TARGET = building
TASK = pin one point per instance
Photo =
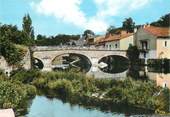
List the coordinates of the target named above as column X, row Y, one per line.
column 4, row 66
column 153, row 42
column 119, row 41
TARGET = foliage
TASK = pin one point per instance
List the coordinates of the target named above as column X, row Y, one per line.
column 128, row 24
column 113, row 30
column 10, row 37
column 164, row 21
column 88, row 33
column 14, row 94
column 62, row 87
column 55, row 40
column 24, row 76
column 137, row 93
column 11, row 53
column 11, row 33
column 28, row 31
column 133, row 54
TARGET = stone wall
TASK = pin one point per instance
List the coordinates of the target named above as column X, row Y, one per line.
column 26, row 63
column 4, row 66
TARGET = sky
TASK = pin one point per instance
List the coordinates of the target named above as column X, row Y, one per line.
column 52, row 17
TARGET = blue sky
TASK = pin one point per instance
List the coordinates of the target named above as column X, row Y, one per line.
column 52, row 17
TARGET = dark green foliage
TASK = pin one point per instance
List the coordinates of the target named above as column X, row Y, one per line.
column 55, row 40
column 14, row 94
column 11, row 33
column 164, row 21
column 113, row 30
column 62, row 87
column 128, row 25
column 159, row 65
column 28, row 31
column 24, row 76
column 88, row 33
column 11, row 53
column 133, row 54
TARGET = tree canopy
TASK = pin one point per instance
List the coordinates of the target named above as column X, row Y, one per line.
column 128, row 24
column 88, row 33
column 63, row 39
column 28, row 31
column 164, row 21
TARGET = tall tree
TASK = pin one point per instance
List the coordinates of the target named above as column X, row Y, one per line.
column 128, row 25
column 28, row 31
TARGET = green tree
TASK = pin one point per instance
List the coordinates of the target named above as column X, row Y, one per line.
column 28, row 31
column 133, row 54
column 164, row 21
column 11, row 33
column 128, row 25
column 9, row 37
column 11, row 53
column 110, row 29
column 88, row 33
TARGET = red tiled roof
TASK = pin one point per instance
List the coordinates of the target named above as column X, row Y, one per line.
column 158, row 31
column 114, row 37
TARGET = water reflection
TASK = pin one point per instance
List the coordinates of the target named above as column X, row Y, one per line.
column 44, row 107
column 115, row 64
column 161, row 79
column 71, row 61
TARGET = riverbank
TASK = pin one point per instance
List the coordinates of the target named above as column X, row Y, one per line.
column 76, row 88
column 14, row 94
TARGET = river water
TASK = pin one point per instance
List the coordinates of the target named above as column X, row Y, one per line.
column 44, row 107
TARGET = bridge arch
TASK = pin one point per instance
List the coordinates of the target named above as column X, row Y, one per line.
column 80, row 55
column 37, row 63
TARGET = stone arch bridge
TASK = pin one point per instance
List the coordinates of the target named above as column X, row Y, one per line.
column 47, row 54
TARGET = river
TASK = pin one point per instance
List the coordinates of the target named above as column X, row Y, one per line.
column 44, row 107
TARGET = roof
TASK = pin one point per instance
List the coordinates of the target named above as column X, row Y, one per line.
column 158, row 31
column 114, row 37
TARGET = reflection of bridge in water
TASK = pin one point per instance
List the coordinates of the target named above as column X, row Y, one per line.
column 101, row 74
column 47, row 54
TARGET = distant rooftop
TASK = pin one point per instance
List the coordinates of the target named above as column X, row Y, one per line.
column 114, row 37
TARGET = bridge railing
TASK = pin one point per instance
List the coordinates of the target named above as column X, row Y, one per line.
column 45, row 48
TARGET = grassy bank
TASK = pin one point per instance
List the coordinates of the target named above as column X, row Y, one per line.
column 104, row 93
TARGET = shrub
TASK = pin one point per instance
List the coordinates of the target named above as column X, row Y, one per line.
column 62, row 87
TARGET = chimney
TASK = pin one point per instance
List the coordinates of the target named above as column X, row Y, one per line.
column 135, row 30
column 148, row 25
column 123, row 32
column 144, row 25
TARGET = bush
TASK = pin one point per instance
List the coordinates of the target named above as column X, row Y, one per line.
column 24, row 76
column 62, row 87
column 14, row 94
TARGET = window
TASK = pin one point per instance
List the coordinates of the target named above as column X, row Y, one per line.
column 115, row 45
column 165, row 43
column 144, row 45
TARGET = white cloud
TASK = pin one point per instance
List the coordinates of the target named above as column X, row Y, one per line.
column 69, row 11
column 108, row 8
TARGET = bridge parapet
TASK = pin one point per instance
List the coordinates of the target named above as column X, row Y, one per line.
column 53, row 48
